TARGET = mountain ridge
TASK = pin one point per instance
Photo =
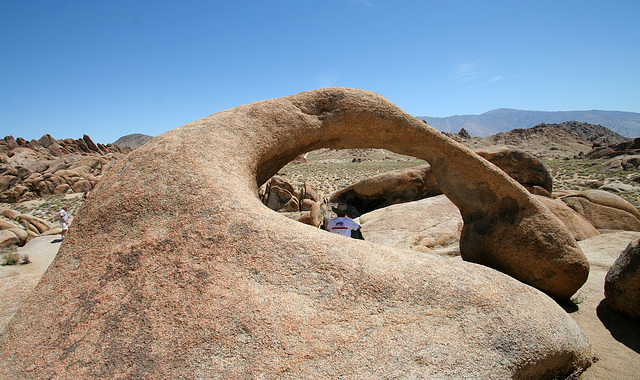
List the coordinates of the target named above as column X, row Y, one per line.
column 505, row 119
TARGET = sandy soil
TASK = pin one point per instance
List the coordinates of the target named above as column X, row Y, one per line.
column 615, row 339
column 17, row 281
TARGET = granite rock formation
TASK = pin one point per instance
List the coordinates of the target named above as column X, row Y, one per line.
column 241, row 291
column 622, row 284
column 411, row 184
column 605, row 210
column 37, row 168
column 385, row 189
column 521, row 166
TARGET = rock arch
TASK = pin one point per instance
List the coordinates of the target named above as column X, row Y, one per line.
column 175, row 269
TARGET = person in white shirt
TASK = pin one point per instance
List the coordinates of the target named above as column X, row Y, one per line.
column 342, row 225
column 64, row 221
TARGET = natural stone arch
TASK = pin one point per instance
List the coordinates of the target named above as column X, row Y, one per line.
column 504, row 226
column 237, row 290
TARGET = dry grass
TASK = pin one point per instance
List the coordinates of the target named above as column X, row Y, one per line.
column 572, row 174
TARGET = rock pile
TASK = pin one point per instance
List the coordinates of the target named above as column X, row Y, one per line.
column 279, row 195
column 626, row 148
column 37, row 168
column 21, row 227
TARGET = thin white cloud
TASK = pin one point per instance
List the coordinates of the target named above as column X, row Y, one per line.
column 366, row 3
column 474, row 72
column 495, row 79
column 326, row 80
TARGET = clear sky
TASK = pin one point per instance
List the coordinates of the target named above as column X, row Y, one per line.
column 111, row 68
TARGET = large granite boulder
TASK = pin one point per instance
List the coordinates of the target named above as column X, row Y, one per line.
column 605, row 210
column 392, row 187
column 577, row 224
column 521, row 166
column 429, row 225
column 622, row 284
column 280, row 195
column 434, row 224
column 8, row 238
column 179, row 271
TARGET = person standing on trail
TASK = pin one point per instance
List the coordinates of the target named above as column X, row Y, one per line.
column 342, row 225
column 64, row 221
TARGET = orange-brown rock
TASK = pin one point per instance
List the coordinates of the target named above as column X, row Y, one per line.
column 8, row 238
column 243, row 292
column 22, row 235
column 521, row 166
column 429, row 225
column 577, row 224
column 622, row 284
column 396, row 186
column 605, row 210
column 280, row 195
column 314, row 216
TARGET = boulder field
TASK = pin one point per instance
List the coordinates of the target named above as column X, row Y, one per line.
column 38, row 168
column 175, row 269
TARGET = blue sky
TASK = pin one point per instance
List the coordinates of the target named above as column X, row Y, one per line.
column 111, row 68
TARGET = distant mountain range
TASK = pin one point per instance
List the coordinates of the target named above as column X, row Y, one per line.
column 504, row 119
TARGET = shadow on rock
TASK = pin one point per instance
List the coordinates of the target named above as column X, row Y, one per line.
column 623, row 329
column 568, row 306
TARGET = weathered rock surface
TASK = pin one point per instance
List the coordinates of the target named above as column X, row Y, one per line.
column 245, row 292
column 434, row 224
column 8, row 238
column 314, row 217
column 37, row 168
column 577, row 224
column 22, row 226
column 308, row 195
column 280, row 195
column 622, row 284
column 429, row 225
column 521, row 166
column 614, row 337
column 382, row 190
column 605, row 210
column 411, row 184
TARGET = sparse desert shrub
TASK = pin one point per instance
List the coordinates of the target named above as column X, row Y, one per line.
column 11, row 256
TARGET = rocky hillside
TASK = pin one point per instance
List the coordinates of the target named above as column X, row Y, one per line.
column 562, row 140
column 133, row 141
column 595, row 133
column 38, row 168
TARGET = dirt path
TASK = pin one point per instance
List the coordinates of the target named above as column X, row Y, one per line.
column 17, row 281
